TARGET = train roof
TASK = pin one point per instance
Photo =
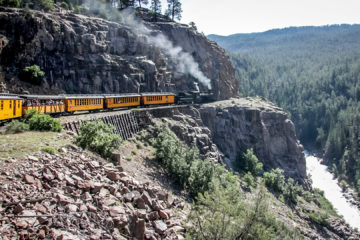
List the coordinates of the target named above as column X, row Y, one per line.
column 157, row 94
column 82, row 96
column 113, row 95
column 43, row 97
column 9, row 96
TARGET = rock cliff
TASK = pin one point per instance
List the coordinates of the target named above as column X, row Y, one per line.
column 82, row 54
column 240, row 124
column 221, row 130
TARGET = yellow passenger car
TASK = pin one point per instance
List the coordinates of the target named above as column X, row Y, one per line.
column 45, row 104
column 122, row 100
column 157, row 98
column 10, row 107
column 83, row 102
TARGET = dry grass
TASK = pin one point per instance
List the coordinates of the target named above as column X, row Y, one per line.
column 22, row 144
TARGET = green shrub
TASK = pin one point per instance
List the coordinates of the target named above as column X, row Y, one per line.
column 319, row 218
column 134, row 151
column 48, row 149
column 183, row 162
column 248, row 162
column 223, row 214
column 45, row 5
column 32, row 74
column 16, row 126
column 10, row 3
column 65, row 5
column 98, row 137
column 291, row 190
column 308, row 196
column 275, row 180
column 201, row 174
column 249, row 180
column 42, row 122
column 29, row 114
column 344, row 185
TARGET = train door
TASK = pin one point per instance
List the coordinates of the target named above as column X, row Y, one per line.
column 14, row 106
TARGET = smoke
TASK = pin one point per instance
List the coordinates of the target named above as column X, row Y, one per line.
column 184, row 62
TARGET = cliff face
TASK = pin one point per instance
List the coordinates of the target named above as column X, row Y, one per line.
column 81, row 54
column 240, row 124
column 221, row 130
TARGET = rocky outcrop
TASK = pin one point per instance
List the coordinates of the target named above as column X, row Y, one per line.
column 240, row 124
column 76, row 195
column 82, row 54
column 221, row 130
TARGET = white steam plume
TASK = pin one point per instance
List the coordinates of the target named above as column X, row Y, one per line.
column 183, row 60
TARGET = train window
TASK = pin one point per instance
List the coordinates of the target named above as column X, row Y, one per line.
column 18, row 104
column 10, row 103
column 2, row 105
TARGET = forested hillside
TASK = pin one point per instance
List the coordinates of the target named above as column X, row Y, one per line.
column 314, row 74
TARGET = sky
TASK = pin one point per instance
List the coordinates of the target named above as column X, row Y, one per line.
column 225, row 17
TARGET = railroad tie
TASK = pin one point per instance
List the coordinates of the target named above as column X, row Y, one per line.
column 76, row 127
column 128, row 134
column 123, row 133
column 117, row 124
column 123, row 127
column 135, row 122
column 113, row 123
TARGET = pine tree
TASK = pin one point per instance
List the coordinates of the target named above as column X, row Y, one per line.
column 139, row 2
column 174, row 9
column 156, row 8
column 126, row 3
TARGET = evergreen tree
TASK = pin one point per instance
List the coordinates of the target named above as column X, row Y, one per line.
column 174, row 9
column 139, row 2
column 193, row 25
column 156, row 8
column 126, row 3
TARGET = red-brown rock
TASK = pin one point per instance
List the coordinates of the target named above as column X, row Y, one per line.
column 159, row 226
column 140, row 229
column 113, row 176
column 18, row 209
column 29, row 179
column 163, row 215
column 116, row 211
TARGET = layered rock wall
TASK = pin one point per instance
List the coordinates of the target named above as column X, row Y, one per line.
column 82, row 54
column 239, row 124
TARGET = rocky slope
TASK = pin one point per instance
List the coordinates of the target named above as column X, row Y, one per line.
column 76, row 195
column 82, row 54
column 221, row 130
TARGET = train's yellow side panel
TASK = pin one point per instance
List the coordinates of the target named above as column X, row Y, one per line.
column 47, row 109
column 72, row 105
column 155, row 100
column 118, row 102
column 10, row 108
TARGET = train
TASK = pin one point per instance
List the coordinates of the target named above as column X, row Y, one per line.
column 16, row 105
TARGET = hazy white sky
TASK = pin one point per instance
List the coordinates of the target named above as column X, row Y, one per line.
column 226, row 17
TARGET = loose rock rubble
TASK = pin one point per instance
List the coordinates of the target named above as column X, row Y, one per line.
column 80, row 196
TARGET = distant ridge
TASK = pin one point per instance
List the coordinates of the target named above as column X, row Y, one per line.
column 289, row 37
